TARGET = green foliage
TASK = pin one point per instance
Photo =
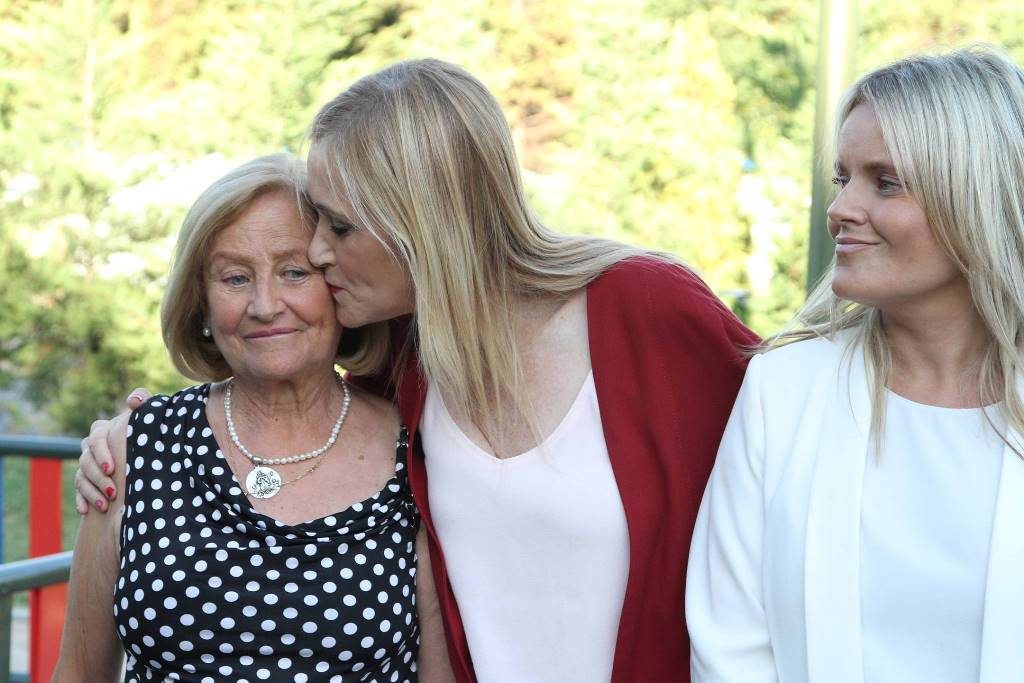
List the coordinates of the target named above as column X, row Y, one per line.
column 682, row 125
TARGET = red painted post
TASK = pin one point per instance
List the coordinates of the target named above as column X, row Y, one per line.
column 46, row 605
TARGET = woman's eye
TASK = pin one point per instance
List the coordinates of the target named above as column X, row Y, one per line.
column 294, row 273
column 889, row 186
column 340, row 227
column 840, row 180
column 235, row 280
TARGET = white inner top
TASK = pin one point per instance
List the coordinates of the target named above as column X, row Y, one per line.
column 536, row 546
column 926, row 524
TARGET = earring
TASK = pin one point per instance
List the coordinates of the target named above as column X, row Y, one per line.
column 206, row 330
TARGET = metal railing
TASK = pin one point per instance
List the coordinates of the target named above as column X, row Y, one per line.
column 21, row 576
column 47, row 567
column 61, row 447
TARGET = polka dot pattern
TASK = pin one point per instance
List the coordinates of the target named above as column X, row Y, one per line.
column 211, row 590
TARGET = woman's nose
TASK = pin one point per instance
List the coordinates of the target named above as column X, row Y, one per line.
column 320, row 253
column 265, row 303
column 846, row 208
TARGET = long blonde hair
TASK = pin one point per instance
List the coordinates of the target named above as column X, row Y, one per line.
column 954, row 125
column 425, row 157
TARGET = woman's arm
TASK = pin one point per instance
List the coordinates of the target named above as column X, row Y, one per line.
column 433, row 663
column 725, row 614
column 89, row 649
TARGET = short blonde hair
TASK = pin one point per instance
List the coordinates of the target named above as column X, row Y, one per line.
column 954, row 125
column 423, row 154
column 183, row 310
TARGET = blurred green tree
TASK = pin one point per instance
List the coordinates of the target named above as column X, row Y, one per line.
column 681, row 125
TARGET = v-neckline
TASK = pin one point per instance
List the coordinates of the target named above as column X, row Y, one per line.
column 586, row 388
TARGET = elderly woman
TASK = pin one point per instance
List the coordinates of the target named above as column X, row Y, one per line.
column 267, row 530
column 863, row 521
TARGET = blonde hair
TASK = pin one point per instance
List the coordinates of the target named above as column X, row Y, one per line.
column 183, row 309
column 954, row 125
column 423, row 154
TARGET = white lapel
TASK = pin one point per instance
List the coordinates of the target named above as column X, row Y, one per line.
column 1002, row 637
column 832, row 560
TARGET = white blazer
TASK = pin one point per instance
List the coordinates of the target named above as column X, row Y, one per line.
column 773, row 586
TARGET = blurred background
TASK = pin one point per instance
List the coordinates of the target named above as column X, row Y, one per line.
column 682, row 125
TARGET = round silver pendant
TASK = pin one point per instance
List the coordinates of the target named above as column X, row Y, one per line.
column 263, row 482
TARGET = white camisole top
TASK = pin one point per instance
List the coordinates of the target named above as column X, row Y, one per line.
column 536, row 546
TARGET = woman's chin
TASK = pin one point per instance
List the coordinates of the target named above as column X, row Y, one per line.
column 849, row 289
column 285, row 373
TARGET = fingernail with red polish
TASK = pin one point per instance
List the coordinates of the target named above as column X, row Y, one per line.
column 106, row 468
column 110, row 492
column 99, row 504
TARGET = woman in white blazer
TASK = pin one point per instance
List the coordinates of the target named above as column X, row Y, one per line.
column 865, row 518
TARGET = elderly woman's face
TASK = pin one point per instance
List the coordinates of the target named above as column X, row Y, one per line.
column 270, row 311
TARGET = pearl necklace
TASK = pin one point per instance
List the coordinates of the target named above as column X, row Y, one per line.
column 264, row 481
column 291, row 458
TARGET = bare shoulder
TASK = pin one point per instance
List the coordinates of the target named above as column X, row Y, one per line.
column 369, row 438
column 556, row 341
column 575, row 307
column 374, row 419
column 376, row 407
column 570, row 317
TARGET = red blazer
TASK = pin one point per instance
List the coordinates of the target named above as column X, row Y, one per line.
column 667, row 365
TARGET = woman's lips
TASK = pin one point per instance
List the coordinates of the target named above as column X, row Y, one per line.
column 852, row 248
column 846, row 245
column 272, row 332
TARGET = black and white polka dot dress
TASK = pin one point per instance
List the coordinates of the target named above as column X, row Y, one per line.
column 210, row 590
